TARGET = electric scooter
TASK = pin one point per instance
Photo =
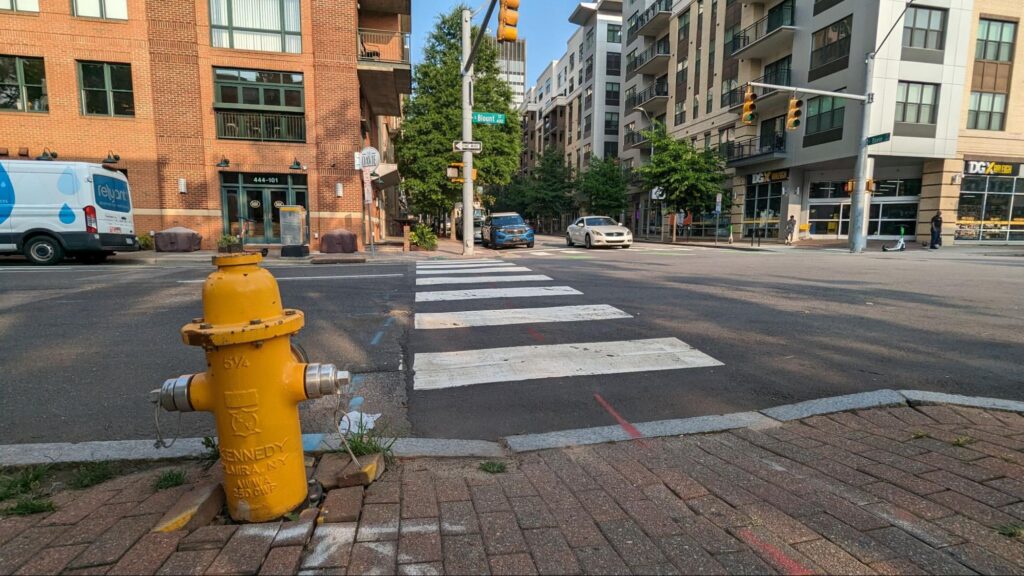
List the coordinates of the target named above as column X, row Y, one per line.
column 900, row 246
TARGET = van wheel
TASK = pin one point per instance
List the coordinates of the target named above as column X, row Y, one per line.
column 44, row 250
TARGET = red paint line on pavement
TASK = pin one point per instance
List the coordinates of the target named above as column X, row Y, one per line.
column 629, row 428
column 776, row 556
column 535, row 334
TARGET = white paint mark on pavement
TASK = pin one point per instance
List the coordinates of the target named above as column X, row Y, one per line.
column 438, row 320
column 494, row 270
column 479, row 279
column 444, row 295
column 454, row 261
column 435, row 371
column 463, row 266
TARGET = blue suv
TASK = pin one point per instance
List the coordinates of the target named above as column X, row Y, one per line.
column 506, row 229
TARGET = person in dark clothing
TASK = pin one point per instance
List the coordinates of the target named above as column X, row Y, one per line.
column 936, row 231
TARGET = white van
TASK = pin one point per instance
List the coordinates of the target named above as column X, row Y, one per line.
column 51, row 209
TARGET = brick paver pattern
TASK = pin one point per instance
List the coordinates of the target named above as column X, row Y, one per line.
column 900, row 490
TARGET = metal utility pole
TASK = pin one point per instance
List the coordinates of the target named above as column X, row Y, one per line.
column 858, row 235
column 467, row 132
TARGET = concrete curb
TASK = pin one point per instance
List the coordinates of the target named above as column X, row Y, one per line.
column 834, row 404
column 67, row 452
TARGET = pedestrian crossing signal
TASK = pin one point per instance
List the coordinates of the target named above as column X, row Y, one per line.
column 794, row 113
column 851, row 185
column 749, row 108
column 508, row 19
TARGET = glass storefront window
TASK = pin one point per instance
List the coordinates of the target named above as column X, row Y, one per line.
column 252, row 203
column 762, row 199
column 989, row 210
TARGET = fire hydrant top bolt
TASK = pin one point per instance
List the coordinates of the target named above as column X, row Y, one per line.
column 289, row 312
column 254, row 321
column 205, row 326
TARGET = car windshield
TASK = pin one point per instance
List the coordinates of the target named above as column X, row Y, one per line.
column 601, row 221
column 515, row 220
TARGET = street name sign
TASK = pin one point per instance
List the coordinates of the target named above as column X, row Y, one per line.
column 878, row 138
column 488, row 118
column 471, row 146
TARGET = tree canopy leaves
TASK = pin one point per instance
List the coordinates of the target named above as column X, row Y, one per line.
column 689, row 177
column 433, row 120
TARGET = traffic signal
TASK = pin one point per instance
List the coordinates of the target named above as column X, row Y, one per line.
column 794, row 113
column 508, row 19
column 749, row 108
column 454, row 173
column 851, row 185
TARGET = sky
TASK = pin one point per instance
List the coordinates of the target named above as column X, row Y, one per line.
column 543, row 23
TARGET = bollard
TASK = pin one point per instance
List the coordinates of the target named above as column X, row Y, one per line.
column 253, row 386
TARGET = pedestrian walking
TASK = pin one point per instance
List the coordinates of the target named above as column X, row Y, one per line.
column 936, row 231
column 790, row 229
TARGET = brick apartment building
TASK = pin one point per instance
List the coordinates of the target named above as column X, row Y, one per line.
column 218, row 109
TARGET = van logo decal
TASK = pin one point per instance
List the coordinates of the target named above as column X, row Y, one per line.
column 111, row 193
column 6, row 195
column 66, row 215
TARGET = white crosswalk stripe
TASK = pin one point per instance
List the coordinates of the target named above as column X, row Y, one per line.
column 444, row 295
column 435, row 371
column 437, row 320
column 490, row 270
column 433, row 281
column 464, row 266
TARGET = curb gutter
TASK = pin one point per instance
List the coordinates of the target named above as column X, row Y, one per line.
column 67, row 452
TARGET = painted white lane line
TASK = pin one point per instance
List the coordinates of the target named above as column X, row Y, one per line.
column 464, row 266
column 479, row 279
column 435, row 371
column 493, row 270
column 292, row 278
column 479, row 294
column 454, row 261
column 437, row 320
column 540, row 253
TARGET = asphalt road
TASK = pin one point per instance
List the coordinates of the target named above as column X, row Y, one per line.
column 80, row 347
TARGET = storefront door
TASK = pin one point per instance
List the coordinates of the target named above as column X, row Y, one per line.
column 253, row 204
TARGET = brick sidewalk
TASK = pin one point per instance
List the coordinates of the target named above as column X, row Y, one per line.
column 891, row 491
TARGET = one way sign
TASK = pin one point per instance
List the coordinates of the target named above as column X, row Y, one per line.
column 471, row 146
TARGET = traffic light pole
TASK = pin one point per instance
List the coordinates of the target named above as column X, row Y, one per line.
column 468, row 215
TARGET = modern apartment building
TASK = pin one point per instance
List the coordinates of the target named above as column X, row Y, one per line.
column 577, row 98
column 221, row 111
column 512, row 68
column 943, row 88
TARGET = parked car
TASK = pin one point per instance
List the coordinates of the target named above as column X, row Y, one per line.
column 506, row 229
column 51, row 209
column 478, row 224
column 594, row 231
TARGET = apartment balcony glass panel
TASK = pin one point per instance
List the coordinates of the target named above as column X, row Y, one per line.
column 651, row 22
column 756, row 149
column 769, row 35
column 261, row 126
column 653, row 94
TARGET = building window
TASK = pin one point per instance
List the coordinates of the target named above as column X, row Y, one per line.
column 924, row 28
column 611, row 123
column 590, row 38
column 680, row 116
column 986, row 111
column 587, row 126
column 995, row 40
column 588, row 98
column 707, row 140
column 731, row 41
column 696, row 107
column 266, row 25
column 590, row 67
column 611, row 149
column 613, row 63
column 614, row 34
column 611, row 93
column 710, row 102
column 110, row 9
column 22, row 84
column 684, row 26
column 106, row 89
column 915, row 102
column 824, row 113
column 259, row 105
column 681, row 70
column 831, row 43
column 20, row 5
column 255, row 199
column 696, row 70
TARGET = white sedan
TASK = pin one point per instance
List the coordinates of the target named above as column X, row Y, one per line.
column 594, row 231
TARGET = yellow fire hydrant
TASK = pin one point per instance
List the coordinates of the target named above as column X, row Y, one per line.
column 253, row 384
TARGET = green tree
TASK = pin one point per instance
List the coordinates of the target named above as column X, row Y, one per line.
column 602, row 187
column 433, row 120
column 689, row 177
column 548, row 189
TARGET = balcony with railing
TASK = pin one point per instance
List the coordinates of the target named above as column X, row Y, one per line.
column 653, row 96
column 653, row 60
column 769, row 35
column 261, row 126
column 385, row 70
column 734, row 98
column 651, row 22
column 635, row 139
column 753, row 150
